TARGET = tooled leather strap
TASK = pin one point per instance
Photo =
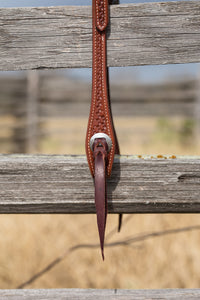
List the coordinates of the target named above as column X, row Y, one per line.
column 100, row 159
column 100, row 120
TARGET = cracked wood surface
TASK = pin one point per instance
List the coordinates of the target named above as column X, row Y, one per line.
column 61, row 37
column 62, row 184
column 90, row 294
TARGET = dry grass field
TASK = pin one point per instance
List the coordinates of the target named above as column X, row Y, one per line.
column 163, row 250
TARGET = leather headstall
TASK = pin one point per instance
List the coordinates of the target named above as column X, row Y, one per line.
column 101, row 140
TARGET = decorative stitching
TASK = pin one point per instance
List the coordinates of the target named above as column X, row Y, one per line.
column 101, row 11
column 99, row 120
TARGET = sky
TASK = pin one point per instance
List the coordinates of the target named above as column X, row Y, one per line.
column 142, row 73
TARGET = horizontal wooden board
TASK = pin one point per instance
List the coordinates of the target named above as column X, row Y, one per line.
column 162, row 109
column 62, row 184
column 61, row 96
column 60, row 88
column 61, row 37
column 77, row 294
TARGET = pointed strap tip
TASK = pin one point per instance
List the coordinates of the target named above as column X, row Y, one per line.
column 120, row 222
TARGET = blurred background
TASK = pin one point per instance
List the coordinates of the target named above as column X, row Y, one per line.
column 156, row 111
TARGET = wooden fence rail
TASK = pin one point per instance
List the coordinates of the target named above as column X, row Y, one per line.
column 35, row 100
column 59, row 96
column 77, row 294
column 62, row 184
column 61, row 37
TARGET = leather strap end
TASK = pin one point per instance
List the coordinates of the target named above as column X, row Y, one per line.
column 100, row 156
column 101, row 13
column 120, row 222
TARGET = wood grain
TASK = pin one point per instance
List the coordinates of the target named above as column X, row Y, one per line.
column 60, row 37
column 62, row 184
column 78, row 294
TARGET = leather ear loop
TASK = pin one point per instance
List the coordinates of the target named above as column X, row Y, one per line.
column 101, row 14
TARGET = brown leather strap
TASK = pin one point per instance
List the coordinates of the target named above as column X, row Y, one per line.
column 100, row 156
column 100, row 159
column 100, row 119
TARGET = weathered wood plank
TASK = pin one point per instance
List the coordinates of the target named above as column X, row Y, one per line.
column 59, row 96
column 123, row 109
column 60, row 88
column 60, row 37
column 62, row 184
column 77, row 294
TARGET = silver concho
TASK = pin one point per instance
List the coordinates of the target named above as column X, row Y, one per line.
column 101, row 135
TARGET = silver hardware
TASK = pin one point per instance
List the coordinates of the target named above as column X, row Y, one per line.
column 101, row 135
